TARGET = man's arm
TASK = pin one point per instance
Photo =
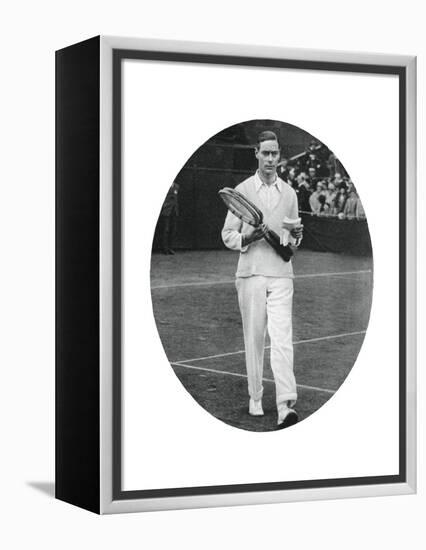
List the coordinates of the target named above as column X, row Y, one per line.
column 234, row 238
column 231, row 232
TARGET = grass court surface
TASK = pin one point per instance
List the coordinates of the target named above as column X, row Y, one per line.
column 196, row 311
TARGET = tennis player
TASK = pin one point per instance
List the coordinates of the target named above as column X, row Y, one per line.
column 264, row 281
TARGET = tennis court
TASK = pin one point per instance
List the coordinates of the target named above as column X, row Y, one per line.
column 196, row 311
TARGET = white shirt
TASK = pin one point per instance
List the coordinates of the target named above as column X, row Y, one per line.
column 269, row 194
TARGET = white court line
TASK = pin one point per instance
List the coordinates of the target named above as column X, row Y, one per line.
column 231, row 281
column 331, row 337
column 346, row 278
column 314, row 388
column 331, row 274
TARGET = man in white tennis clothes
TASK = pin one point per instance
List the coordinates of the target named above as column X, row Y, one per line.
column 264, row 281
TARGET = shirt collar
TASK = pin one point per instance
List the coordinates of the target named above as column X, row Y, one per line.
column 258, row 182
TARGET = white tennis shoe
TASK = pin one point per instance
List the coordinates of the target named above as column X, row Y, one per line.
column 255, row 407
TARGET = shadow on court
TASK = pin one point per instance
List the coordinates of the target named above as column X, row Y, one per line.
column 196, row 312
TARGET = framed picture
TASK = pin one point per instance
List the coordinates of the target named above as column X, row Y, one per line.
column 235, row 275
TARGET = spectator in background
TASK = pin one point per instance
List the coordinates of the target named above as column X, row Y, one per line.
column 351, row 205
column 283, row 169
column 291, row 178
column 324, row 209
column 360, row 212
column 338, row 180
column 334, row 165
column 303, row 178
column 312, row 177
column 168, row 218
column 330, row 195
column 313, row 148
column 339, row 202
column 303, row 192
column 314, row 162
column 314, row 201
column 316, row 156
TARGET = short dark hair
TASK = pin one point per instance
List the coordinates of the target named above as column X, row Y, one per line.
column 267, row 135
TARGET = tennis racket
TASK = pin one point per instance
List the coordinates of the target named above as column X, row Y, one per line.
column 244, row 209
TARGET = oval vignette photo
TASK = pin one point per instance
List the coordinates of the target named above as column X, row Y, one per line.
column 262, row 275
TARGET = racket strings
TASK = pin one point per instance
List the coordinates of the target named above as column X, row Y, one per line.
column 241, row 207
column 241, row 210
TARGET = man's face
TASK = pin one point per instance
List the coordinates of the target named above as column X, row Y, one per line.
column 312, row 172
column 268, row 155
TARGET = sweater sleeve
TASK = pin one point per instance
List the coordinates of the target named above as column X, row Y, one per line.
column 231, row 233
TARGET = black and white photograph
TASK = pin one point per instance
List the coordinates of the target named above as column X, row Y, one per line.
column 261, row 332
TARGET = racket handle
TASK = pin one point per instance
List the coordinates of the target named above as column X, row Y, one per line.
column 285, row 252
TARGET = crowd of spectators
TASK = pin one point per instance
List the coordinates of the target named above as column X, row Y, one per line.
column 322, row 185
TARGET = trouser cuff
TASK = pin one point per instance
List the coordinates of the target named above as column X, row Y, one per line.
column 256, row 395
column 286, row 397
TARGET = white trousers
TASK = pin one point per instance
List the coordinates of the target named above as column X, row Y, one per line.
column 266, row 304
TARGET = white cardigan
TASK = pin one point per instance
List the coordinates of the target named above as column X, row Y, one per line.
column 258, row 258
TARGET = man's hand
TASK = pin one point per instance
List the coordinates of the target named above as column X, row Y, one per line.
column 297, row 232
column 253, row 234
